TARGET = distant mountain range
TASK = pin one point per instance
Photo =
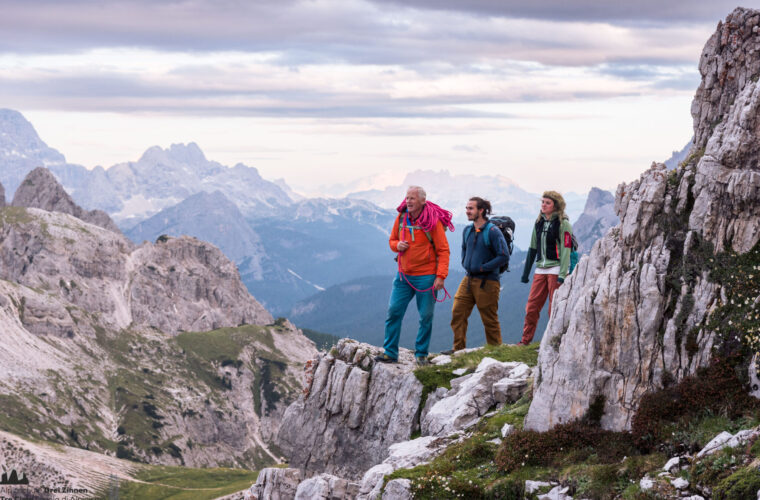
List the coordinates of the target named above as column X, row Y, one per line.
column 131, row 192
column 287, row 248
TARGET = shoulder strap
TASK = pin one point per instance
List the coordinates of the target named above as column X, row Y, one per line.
column 486, row 238
column 466, row 234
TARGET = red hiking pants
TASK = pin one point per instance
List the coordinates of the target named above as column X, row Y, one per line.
column 543, row 285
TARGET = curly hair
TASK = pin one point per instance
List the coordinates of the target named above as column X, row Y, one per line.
column 559, row 204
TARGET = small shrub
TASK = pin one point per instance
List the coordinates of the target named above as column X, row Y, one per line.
column 526, row 448
column 125, row 453
column 151, row 411
column 715, row 388
column 174, row 450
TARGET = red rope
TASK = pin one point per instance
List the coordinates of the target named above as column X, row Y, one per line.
column 401, row 273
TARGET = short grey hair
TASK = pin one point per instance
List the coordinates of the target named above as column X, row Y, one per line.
column 420, row 192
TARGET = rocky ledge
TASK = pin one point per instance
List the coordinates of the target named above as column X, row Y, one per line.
column 353, row 424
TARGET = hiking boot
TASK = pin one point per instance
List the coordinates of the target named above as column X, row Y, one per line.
column 422, row 361
column 448, row 352
column 521, row 343
column 384, row 358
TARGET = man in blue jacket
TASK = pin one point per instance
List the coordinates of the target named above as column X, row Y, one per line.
column 484, row 251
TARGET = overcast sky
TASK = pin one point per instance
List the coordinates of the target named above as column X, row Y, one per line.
column 553, row 94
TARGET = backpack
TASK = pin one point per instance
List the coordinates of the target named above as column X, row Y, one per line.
column 574, row 256
column 507, row 227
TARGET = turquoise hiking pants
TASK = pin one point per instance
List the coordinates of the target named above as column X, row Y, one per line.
column 401, row 294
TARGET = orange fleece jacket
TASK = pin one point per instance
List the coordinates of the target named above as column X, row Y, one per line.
column 420, row 258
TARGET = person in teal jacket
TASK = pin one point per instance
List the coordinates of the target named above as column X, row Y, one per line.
column 550, row 246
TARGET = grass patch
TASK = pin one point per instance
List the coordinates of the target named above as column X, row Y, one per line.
column 467, row 469
column 14, row 216
column 16, row 417
column 181, row 483
column 692, row 433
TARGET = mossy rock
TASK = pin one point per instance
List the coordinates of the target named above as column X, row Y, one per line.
column 740, row 485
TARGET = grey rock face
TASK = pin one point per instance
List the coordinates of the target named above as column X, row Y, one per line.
column 472, row 395
column 597, row 217
column 398, row 489
column 40, row 189
column 2, row 196
column 404, row 455
column 182, row 284
column 210, row 217
column 620, row 323
column 326, row 487
column 353, row 409
column 275, row 484
column 194, row 279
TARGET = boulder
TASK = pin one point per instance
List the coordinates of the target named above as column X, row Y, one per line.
column 398, row 489
column 728, row 440
column 326, row 487
column 275, row 484
column 471, row 396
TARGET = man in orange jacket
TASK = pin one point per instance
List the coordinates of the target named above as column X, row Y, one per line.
column 423, row 257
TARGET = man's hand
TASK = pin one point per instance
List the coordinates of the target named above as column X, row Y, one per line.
column 438, row 283
column 402, row 245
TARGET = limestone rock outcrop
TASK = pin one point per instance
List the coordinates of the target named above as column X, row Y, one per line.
column 351, row 428
column 352, row 410
column 181, row 284
column 634, row 312
column 40, row 189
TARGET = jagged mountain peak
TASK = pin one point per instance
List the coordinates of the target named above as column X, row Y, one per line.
column 40, row 189
column 190, row 154
column 19, row 138
column 598, row 197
